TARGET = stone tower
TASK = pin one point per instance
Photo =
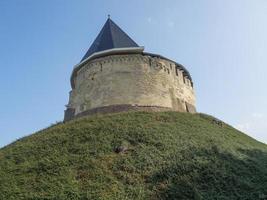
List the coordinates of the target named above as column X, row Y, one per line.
column 117, row 75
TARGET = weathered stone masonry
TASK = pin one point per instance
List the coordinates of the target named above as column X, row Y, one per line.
column 136, row 80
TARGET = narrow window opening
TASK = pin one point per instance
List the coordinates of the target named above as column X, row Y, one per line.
column 186, row 107
column 176, row 71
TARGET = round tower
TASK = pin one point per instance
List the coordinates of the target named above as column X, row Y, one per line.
column 117, row 75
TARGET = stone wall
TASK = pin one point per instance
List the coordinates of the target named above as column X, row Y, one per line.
column 134, row 79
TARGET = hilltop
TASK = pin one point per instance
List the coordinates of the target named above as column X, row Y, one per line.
column 135, row 155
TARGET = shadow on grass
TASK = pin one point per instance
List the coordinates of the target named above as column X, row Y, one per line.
column 210, row 174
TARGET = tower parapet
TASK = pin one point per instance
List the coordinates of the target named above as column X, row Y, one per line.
column 125, row 78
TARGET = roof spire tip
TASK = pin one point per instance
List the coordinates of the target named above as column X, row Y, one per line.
column 110, row 37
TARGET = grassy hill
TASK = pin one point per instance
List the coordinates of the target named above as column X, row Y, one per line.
column 135, row 155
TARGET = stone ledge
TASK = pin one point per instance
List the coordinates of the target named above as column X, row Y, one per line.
column 117, row 109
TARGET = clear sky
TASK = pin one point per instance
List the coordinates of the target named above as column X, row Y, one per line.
column 223, row 44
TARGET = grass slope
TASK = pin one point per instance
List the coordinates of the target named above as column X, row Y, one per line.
column 169, row 156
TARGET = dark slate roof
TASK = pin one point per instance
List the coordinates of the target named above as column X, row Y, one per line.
column 111, row 36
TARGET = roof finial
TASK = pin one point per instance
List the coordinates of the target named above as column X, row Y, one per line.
column 109, row 16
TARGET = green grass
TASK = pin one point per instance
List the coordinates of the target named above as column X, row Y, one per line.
column 170, row 156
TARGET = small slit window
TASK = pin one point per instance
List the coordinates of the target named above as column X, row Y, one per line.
column 176, row 71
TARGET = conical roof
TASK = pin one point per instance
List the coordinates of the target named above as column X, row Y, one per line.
column 111, row 36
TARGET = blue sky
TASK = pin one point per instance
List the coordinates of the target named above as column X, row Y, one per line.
column 223, row 43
